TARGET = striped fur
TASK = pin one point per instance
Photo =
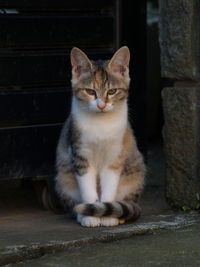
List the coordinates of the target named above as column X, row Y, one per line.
column 100, row 172
column 128, row 210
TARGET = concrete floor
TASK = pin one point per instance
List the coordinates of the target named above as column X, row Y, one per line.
column 27, row 232
column 31, row 235
column 179, row 247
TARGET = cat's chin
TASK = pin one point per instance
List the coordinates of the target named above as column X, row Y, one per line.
column 103, row 112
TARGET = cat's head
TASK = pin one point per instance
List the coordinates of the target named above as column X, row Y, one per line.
column 100, row 86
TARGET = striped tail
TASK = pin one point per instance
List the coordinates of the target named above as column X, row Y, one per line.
column 128, row 210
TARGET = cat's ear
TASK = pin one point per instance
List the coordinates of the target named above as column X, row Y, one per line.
column 119, row 63
column 80, row 63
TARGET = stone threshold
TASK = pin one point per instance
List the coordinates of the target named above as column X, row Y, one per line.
column 146, row 225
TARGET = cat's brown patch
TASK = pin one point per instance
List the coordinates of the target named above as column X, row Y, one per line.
column 127, row 148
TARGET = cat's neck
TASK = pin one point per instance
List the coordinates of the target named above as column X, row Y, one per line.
column 108, row 123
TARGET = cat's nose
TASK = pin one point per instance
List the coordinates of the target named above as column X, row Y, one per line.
column 101, row 106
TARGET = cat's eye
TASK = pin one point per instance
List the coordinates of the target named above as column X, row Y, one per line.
column 90, row 92
column 112, row 91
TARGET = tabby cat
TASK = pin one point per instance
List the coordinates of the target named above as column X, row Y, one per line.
column 100, row 172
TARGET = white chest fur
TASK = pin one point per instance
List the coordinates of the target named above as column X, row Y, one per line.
column 101, row 133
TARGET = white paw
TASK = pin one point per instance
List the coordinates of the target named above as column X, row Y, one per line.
column 109, row 221
column 89, row 221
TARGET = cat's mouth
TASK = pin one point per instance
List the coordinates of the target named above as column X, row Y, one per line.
column 105, row 110
column 101, row 111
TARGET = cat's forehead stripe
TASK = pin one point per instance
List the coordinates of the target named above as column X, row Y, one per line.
column 100, row 75
column 100, row 78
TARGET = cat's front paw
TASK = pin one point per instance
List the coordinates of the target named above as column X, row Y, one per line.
column 109, row 221
column 88, row 221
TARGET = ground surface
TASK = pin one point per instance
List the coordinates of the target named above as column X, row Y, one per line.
column 30, row 236
column 163, row 248
column 27, row 233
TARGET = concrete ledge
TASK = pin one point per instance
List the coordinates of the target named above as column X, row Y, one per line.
column 149, row 224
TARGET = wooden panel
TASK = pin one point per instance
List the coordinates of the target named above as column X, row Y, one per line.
column 28, row 151
column 33, row 69
column 57, row 4
column 47, row 31
column 36, row 37
column 34, row 106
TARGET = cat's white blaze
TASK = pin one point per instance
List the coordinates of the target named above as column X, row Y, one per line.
column 87, row 185
column 100, row 126
column 109, row 181
column 102, row 134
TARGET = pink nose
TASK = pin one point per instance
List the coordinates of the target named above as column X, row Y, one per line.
column 101, row 106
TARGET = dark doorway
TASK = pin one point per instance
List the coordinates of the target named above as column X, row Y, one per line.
column 36, row 37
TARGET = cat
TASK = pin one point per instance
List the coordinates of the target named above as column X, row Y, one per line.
column 100, row 171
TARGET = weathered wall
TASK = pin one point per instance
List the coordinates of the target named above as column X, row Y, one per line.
column 179, row 39
column 180, row 62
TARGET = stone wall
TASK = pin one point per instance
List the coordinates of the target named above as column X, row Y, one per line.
column 179, row 28
column 179, row 39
